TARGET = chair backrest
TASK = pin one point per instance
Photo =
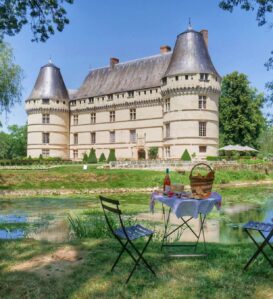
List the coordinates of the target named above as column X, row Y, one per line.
column 111, row 206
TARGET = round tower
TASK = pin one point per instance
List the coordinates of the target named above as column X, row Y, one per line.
column 48, row 115
column 190, row 91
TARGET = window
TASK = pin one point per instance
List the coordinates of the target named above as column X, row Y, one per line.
column 167, row 130
column 133, row 136
column 202, row 102
column 45, row 101
column 110, row 97
column 132, row 114
column 204, row 77
column 202, row 149
column 93, row 117
column 45, row 138
column 176, row 78
column 112, row 116
column 151, row 91
column 45, row 153
column 93, row 138
column 58, row 102
column 75, row 154
column 139, row 93
column 186, row 77
column 112, row 137
column 202, row 128
column 167, row 152
column 73, row 103
column 91, row 100
column 64, row 102
column 75, row 120
column 164, row 81
column 167, row 105
column 145, row 91
column 130, row 94
column 76, row 139
column 45, row 118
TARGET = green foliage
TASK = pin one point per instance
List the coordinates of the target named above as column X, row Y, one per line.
column 11, row 76
column 241, row 118
column 102, row 158
column 265, row 141
column 213, row 158
column 92, row 156
column 13, row 145
column 85, row 158
column 44, row 17
column 112, row 155
column 153, row 152
column 186, row 156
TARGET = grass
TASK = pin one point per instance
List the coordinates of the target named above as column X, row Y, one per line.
column 73, row 177
column 219, row 276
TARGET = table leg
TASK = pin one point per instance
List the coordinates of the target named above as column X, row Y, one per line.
column 166, row 223
column 201, row 230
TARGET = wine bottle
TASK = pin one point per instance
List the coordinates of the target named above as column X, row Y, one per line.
column 167, row 182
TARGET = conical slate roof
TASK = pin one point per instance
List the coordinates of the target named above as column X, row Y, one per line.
column 190, row 55
column 49, row 84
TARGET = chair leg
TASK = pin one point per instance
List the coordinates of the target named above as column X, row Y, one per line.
column 259, row 250
column 123, row 249
column 140, row 257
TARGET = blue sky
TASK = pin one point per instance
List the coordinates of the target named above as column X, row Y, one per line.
column 130, row 29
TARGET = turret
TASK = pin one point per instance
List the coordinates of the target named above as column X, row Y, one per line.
column 48, row 115
column 190, row 90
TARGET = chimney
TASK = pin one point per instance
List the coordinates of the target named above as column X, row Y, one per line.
column 113, row 61
column 165, row 49
column 205, row 35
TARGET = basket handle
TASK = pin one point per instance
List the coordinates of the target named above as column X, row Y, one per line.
column 198, row 164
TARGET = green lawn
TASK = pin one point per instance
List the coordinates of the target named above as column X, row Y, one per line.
column 73, row 177
column 87, row 274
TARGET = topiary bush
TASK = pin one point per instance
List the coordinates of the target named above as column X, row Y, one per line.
column 153, row 152
column 112, row 155
column 186, row 156
column 92, row 156
column 85, row 158
column 102, row 158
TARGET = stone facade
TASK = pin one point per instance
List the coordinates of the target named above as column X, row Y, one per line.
column 169, row 101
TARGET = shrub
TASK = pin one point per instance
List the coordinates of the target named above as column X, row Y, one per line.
column 85, row 158
column 92, row 156
column 153, row 152
column 186, row 156
column 102, row 158
column 112, row 155
column 213, row 158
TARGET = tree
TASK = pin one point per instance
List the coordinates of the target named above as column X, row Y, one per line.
column 112, row 155
column 44, row 17
column 18, row 141
column 153, row 152
column 262, row 8
column 92, row 156
column 186, row 156
column 10, row 82
column 85, row 158
column 266, row 141
column 241, row 119
column 102, row 158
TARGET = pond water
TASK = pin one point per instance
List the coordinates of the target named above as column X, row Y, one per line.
column 46, row 219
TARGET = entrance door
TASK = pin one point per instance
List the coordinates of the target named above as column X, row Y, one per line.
column 141, row 154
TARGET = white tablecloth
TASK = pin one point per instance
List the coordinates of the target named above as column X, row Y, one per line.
column 188, row 206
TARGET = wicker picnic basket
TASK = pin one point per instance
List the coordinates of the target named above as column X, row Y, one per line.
column 201, row 185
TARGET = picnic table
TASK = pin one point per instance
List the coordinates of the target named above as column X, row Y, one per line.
column 185, row 209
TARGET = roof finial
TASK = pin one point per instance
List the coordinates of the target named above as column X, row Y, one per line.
column 189, row 27
column 49, row 60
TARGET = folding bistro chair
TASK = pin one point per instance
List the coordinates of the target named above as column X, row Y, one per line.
column 262, row 228
column 125, row 235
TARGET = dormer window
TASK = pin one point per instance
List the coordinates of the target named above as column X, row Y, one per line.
column 73, row 103
column 45, row 101
column 186, row 77
column 164, row 81
column 204, row 77
column 110, row 97
column 91, row 100
column 130, row 94
column 176, row 78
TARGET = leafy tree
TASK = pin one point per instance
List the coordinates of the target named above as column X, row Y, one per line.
column 241, row 119
column 44, row 17
column 112, row 155
column 153, row 152
column 102, row 158
column 92, row 156
column 5, row 147
column 266, row 141
column 10, row 82
column 18, row 141
column 262, row 8
column 186, row 156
